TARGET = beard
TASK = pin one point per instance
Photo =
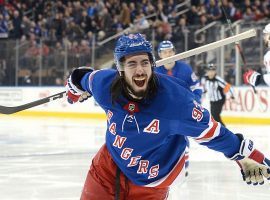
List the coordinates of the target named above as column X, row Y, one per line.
column 138, row 94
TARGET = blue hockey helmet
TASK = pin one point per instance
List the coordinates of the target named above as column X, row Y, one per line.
column 166, row 44
column 129, row 44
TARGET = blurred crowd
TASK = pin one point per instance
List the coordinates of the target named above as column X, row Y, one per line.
column 76, row 20
column 71, row 24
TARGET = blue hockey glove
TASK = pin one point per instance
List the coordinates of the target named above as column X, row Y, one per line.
column 254, row 165
column 74, row 89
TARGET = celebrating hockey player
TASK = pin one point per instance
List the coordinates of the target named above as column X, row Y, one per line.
column 254, row 78
column 149, row 116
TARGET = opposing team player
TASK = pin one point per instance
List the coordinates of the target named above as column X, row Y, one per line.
column 254, row 78
column 149, row 116
column 178, row 69
column 183, row 71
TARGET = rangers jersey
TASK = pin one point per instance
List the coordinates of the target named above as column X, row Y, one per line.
column 184, row 72
column 147, row 139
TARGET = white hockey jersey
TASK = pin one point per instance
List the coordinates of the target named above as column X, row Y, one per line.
column 266, row 61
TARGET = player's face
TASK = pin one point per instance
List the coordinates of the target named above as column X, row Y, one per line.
column 266, row 39
column 138, row 71
column 166, row 53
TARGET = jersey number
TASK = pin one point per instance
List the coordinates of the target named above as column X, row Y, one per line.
column 197, row 114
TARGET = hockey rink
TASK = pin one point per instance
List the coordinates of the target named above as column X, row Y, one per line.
column 48, row 159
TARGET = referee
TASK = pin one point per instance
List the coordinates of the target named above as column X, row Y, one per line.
column 217, row 88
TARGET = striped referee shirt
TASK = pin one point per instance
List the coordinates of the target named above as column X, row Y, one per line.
column 217, row 88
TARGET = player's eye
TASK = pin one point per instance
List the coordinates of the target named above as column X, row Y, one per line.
column 145, row 63
column 131, row 65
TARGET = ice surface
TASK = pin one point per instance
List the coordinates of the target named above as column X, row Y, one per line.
column 47, row 158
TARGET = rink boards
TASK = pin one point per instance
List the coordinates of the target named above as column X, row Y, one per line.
column 246, row 108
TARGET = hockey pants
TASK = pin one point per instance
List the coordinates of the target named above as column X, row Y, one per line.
column 102, row 182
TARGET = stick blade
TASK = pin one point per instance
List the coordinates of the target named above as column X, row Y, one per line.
column 11, row 110
column 8, row 110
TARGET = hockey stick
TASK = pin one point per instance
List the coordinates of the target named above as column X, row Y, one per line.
column 231, row 31
column 192, row 52
column 11, row 110
column 239, row 49
column 208, row 47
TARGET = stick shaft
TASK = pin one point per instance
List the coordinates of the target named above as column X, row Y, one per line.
column 237, row 44
column 208, row 47
column 231, row 31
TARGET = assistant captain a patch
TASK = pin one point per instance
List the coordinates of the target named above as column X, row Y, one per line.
column 153, row 127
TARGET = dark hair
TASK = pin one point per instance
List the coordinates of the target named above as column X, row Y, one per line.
column 119, row 87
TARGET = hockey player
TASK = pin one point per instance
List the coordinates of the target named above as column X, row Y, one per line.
column 254, row 78
column 217, row 89
column 149, row 116
column 178, row 69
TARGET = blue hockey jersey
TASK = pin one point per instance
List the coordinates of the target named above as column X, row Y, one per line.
column 184, row 72
column 147, row 140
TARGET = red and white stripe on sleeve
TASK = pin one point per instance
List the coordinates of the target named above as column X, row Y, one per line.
column 210, row 133
column 90, row 78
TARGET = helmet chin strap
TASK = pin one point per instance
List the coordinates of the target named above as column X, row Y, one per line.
column 121, row 73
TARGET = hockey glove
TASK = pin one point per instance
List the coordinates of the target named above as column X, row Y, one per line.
column 74, row 89
column 254, row 165
column 253, row 172
column 251, row 77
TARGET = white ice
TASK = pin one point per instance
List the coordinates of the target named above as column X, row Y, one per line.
column 48, row 159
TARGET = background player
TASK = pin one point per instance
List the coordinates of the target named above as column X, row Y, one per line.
column 217, row 88
column 178, row 69
column 254, row 78
column 149, row 116
column 181, row 70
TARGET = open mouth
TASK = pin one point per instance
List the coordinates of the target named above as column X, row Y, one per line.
column 140, row 81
